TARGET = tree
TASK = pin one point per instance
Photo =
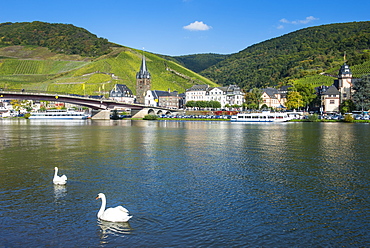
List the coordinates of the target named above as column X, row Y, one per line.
column 347, row 106
column 253, row 98
column 201, row 104
column 21, row 104
column 190, row 104
column 361, row 97
column 264, row 107
column 307, row 93
column 294, row 100
column 16, row 105
column 214, row 104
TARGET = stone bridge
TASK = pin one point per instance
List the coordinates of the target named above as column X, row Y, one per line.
column 101, row 107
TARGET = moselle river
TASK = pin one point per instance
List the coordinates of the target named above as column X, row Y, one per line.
column 186, row 183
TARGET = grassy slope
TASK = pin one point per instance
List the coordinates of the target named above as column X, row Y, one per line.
column 35, row 68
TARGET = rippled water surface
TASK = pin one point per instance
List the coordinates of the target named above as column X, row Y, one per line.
column 187, row 184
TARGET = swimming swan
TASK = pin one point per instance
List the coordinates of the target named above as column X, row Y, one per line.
column 117, row 214
column 57, row 179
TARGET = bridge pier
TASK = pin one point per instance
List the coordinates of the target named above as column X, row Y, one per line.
column 139, row 113
column 100, row 115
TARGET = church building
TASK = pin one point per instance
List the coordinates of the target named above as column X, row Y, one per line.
column 143, row 82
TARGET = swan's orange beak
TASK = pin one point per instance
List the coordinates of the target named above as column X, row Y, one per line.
column 97, row 198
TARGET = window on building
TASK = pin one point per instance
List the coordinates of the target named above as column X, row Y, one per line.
column 331, row 101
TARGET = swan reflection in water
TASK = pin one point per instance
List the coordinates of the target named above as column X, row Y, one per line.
column 59, row 191
column 113, row 228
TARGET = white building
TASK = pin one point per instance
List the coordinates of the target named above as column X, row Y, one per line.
column 231, row 94
column 196, row 93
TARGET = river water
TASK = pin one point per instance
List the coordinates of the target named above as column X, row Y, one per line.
column 186, row 183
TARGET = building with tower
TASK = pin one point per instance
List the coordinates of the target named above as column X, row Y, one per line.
column 344, row 83
column 341, row 90
column 143, row 82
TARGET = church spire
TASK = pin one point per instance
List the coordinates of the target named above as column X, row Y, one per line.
column 143, row 73
column 143, row 82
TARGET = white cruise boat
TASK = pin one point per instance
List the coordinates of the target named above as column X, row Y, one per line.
column 59, row 115
column 265, row 116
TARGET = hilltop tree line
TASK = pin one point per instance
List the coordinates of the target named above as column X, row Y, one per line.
column 197, row 62
column 295, row 55
column 60, row 38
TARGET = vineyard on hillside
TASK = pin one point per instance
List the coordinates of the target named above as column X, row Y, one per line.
column 93, row 77
column 31, row 67
column 361, row 70
column 316, row 80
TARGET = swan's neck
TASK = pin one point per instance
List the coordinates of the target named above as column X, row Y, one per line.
column 102, row 208
column 55, row 173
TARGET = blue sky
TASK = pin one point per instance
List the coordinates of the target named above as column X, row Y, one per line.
column 182, row 27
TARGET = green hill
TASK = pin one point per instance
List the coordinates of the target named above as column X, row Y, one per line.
column 62, row 38
column 94, row 76
column 303, row 55
column 30, row 66
column 197, row 62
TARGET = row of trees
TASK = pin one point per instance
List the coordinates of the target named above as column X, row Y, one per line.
column 203, row 104
column 209, row 104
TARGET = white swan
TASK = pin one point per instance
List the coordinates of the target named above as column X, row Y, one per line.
column 117, row 214
column 57, row 179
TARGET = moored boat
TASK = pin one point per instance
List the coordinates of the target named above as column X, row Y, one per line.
column 265, row 116
column 59, row 115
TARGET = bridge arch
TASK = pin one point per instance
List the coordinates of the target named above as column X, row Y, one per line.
column 151, row 112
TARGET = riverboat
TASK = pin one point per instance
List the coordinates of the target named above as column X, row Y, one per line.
column 265, row 116
column 59, row 115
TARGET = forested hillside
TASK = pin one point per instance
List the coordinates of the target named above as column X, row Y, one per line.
column 295, row 55
column 61, row 38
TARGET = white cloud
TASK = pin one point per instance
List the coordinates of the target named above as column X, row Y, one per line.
column 305, row 21
column 284, row 20
column 197, row 26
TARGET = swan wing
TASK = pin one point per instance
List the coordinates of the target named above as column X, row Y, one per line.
column 60, row 180
column 122, row 209
column 117, row 214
